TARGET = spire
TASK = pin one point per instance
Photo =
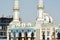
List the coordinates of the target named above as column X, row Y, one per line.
column 16, row 10
column 40, row 10
column 40, row 4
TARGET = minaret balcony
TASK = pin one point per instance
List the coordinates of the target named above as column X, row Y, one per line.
column 40, row 6
column 16, row 8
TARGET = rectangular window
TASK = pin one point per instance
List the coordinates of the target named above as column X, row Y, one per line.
column 5, row 34
column 1, row 33
column 4, row 27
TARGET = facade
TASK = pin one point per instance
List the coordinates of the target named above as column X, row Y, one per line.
column 4, row 22
column 43, row 29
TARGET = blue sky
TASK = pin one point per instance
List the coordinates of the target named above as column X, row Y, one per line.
column 28, row 9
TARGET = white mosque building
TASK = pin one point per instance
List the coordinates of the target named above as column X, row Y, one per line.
column 42, row 29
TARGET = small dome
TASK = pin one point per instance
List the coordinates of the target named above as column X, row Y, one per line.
column 29, row 24
column 45, row 14
column 14, row 24
column 23, row 24
column 46, row 19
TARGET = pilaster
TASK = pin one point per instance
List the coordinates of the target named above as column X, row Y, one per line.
column 51, row 33
column 40, row 33
column 45, row 34
column 8, row 34
column 37, row 34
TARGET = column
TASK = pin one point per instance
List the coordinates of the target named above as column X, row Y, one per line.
column 55, row 34
column 37, row 34
column 8, row 32
column 40, row 33
column 7, row 35
column 45, row 34
column 17, row 35
column 51, row 34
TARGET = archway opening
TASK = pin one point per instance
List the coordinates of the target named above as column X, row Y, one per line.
column 58, row 35
column 43, row 35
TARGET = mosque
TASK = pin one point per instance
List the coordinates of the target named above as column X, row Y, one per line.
column 42, row 29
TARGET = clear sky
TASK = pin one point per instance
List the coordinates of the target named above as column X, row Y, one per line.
column 28, row 9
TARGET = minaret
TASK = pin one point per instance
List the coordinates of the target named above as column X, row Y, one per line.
column 39, row 20
column 16, row 10
column 40, row 10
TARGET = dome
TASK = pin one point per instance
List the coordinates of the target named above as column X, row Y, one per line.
column 47, row 18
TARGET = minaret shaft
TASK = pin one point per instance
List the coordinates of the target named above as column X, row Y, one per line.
column 40, row 14
column 16, row 10
column 40, row 10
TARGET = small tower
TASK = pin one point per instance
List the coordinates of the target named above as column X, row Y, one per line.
column 39, row 20
column 16, row 19
column 40, row 10
column 16, row 10
column 15, row 23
